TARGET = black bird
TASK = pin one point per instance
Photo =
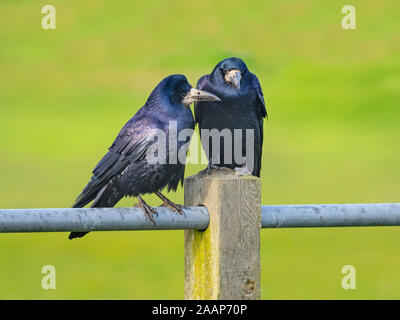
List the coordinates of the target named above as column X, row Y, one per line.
column 125, row 169
column 242, row 107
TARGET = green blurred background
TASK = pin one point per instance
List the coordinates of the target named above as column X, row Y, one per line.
column 333, row 135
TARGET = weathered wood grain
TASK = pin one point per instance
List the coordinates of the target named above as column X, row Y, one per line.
column 223, row 262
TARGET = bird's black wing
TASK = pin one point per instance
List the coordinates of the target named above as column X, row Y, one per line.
column 130, row 145
column 262, row 113
column 260, row 96
column 197, row 111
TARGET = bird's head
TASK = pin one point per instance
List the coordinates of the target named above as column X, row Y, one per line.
column 231, row 70
column 180, row 91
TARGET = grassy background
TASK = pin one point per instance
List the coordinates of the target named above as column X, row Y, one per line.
column 333, row 135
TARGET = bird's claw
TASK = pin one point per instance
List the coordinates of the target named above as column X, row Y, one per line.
column 148, row 211
column 205, row 172
column 177, row 208
column 242, row 171
column 213, row 169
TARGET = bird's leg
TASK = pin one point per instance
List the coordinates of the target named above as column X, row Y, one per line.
column 222, row 169
column 148, row 211
column 206, row 171
column 211, row 168
column 169, row 204
column 242, row 171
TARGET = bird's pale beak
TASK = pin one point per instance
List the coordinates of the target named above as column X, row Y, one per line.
column 233, row 77
column 195, row 95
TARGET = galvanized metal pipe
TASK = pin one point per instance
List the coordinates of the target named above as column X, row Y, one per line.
column 273, row 216
column 331, row 215
column 99, row 219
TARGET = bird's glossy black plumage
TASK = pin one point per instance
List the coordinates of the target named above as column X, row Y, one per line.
column 124, row 170
column 242, row 107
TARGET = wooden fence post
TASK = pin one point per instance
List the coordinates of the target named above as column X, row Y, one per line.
column 223, row 262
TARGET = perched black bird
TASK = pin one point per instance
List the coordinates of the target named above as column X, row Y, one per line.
column 125, row 169
column 242, row 107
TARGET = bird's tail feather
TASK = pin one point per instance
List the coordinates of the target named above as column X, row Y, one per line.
column 74, row 235
column 106, row 198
